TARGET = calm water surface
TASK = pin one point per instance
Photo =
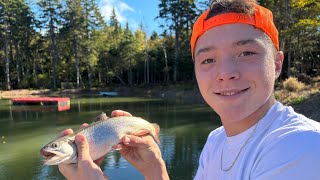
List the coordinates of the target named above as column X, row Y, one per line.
column 184, row 129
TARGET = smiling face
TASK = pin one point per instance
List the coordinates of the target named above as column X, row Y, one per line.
column 236, row 67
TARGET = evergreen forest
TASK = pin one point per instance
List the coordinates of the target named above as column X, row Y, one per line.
column 69, row 44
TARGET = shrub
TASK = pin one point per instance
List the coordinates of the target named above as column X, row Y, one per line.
column 292, row 84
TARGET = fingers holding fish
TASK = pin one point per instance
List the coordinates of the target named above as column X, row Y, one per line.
column 83, row 125
column 134, row 141
column 70, row 131
column 65, row 132
column 115, row 113
column 85, row 162
column 85, row 168
column 82, row 147
column 142, row 152
column 67, row 169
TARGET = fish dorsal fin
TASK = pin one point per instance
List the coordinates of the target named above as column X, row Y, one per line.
column 102, row 117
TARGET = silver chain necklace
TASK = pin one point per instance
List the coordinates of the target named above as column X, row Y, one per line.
column 230, row 167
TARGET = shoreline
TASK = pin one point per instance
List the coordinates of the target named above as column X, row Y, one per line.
column 308, row 106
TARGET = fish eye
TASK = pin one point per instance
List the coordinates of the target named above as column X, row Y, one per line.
column 54, row 145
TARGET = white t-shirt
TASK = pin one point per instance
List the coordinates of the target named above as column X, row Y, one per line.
column 283, row 145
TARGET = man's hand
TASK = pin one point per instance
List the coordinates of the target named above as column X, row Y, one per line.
column 143, row 153
column 85, row 168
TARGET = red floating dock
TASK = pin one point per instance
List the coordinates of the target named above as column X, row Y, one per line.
column 61, row 103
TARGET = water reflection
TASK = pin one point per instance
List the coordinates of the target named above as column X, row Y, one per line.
column 184, row 129
column 21, row 108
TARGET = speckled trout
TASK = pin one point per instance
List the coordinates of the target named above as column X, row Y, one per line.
column 102, row 135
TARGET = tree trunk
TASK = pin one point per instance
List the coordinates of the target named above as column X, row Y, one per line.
column 130, row 76
column 166, row 68
column 176, row 56
column 54, row 65
column 286, row 21
column 54, row 59
column 89, row 77
column 122, row 82
column 34, row 67
column 289, row 57
column 17, row 63
column 99, row 77
column 146, row 71
column 7, row 70
column 77, row 63
column 107, row 71
column 53, row 49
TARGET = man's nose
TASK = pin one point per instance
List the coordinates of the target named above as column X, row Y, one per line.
column 227, row 70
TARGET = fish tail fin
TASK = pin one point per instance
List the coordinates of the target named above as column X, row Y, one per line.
column 157, row 132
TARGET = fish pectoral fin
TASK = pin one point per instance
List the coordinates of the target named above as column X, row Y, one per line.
column 117, row 147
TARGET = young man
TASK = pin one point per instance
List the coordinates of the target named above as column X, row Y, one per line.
column 237, row 60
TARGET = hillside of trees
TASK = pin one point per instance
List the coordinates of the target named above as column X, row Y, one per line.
column 70, row 45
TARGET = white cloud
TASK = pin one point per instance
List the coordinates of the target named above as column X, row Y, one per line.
column 125, row 7
column 121, row 9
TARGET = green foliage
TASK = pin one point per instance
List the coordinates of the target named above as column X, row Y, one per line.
column 16, row 31
column 43, row 81
column 76, row 45
column 297, row 100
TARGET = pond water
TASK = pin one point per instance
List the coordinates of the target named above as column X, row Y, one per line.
column 23, row 131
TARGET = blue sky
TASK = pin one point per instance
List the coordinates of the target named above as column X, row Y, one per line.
column 134, row 12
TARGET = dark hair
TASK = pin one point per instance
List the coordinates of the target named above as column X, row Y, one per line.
column 226, row 6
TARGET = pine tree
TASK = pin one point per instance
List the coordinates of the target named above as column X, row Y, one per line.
column 75, row 30
column 93, row 21
column 113, row 20
column 16, row 29
column 51, row 18
column 178, row 14
column 5, row 26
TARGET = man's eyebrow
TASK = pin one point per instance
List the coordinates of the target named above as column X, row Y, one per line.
column 205, row 49
column 245, row 42
column 238, row 43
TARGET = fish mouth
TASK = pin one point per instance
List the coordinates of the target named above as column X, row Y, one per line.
column 52, row 157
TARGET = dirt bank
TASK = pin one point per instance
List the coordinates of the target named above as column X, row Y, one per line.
column 310, row 107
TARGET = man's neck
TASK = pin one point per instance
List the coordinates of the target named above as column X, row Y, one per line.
column 234, row 128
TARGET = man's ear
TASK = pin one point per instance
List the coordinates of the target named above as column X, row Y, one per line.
column 278, row 63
